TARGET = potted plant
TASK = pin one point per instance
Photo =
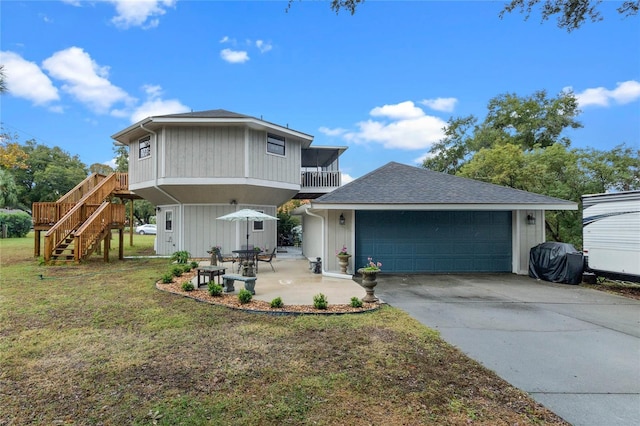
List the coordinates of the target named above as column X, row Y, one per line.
column 343, row 259
column 214, row 252
column 369, row 279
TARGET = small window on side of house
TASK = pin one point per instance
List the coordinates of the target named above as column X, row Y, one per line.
column 275, row 144
column 258, row 225
column 144, row 147
column 168, row 220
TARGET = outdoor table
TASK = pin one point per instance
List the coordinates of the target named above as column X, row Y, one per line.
column 248, row 255
column 211, row 272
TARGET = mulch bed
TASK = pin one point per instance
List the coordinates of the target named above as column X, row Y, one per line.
column 232, row 301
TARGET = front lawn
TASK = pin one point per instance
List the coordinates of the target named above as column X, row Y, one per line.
column 96, row 343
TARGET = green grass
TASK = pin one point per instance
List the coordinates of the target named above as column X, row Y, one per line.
column 97, row 343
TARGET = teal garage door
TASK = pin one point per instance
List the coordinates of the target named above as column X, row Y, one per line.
column 435, row 241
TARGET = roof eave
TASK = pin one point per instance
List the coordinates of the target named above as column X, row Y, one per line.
column 443, row 206
column 249, row 121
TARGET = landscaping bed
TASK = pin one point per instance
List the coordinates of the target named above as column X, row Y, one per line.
column 232, row 301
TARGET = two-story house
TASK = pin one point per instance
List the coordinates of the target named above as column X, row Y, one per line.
column 198, row 166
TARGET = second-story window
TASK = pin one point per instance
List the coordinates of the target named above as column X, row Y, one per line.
column 144, row 147
column 275, row 144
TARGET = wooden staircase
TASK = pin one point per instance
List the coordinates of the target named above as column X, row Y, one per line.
column 80, row 221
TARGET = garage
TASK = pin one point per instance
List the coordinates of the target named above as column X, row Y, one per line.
column 415, row 220
column 435, row 241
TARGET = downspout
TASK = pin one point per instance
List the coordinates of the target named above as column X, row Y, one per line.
column 325, row 273
column 155, row 182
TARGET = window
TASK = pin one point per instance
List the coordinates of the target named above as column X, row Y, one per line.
column 275, row 144
column 168, row 220
column 258, row 225
column 144, row 148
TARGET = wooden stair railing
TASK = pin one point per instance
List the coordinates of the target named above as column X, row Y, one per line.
column 79, row 213
column 48, row 213
column 81, row 189
column 88, row 236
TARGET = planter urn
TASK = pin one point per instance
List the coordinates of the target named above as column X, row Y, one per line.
column 343, row 261
column 369, row 281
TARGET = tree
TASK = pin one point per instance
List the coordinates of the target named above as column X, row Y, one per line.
column 526, row 122
column 12, row 156
column 3, row 80
column 8, row 190
column 561, row 172
column 571, row 14
column 103, row 169
column 121, row 158
column 50, row 173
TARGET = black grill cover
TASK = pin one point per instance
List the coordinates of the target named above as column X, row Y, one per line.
column 556, row 262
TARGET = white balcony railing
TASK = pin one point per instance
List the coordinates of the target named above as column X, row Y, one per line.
column 320, row 180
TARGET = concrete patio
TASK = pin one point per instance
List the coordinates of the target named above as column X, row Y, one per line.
column 295, row 283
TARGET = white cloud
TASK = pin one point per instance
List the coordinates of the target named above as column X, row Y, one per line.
column 225, row 39
column 84, row 79
column 346, row 178
column 140, row 13
column 263, row 46
column 155, row 105
column 624, row 93
column 332, row 132
column 440, row 104
column 26, row 80
column 234, row 56
column 409, row 128
column 402, row 111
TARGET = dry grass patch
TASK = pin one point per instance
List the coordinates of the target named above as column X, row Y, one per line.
column 98, row 344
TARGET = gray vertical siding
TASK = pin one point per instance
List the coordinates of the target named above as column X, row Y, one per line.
column 141, row 170
column 204, row 152
column 203, row 230
column 263, row 165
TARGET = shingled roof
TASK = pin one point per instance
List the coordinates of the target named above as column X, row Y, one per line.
column 399, row 184
column 212, row 113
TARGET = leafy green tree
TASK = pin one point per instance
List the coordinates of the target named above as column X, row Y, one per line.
column 570, row 14
column 614, row 170
column 8, row 190
column 50, row 173
column 103, row 169
column 526, row 122
column 557, row 171
column 122, row 158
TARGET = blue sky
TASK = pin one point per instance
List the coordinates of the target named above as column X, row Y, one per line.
column 382, row 82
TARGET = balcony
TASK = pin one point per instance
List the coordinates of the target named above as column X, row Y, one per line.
column 315, row 184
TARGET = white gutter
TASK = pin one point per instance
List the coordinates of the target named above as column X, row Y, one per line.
column 326, row 273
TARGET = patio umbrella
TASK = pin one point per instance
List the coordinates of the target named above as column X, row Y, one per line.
column 247, row 215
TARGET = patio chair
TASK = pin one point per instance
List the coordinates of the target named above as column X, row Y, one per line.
column 226, row 258
column 268, row 259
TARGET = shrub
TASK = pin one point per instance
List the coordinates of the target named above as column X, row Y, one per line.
column 194, row 265
column 356, row 303
column 18, row 223
column 320, row 301
column 244, row 296
column 186, row 268
column 181, row 256
column 215, row 289
column 167, row 278
column 277, row 303
column 176, row 270
column 187, row 286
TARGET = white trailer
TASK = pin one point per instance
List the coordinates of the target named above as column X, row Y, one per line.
column 611, row 234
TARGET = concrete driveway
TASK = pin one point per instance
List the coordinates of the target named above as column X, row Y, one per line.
column 574, row 350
